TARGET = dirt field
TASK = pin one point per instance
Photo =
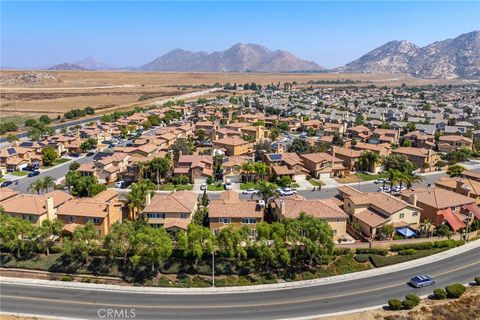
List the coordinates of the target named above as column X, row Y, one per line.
column 55, row 92
column 465, row 308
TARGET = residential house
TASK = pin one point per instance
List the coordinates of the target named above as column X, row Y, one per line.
column 172, row 211
column 419, row 157
column 31, row 207
column 421, row 140
column 371, row 210
column 323, row 165
column 194, row 166
column 453, row 142
column 103, row 210
column 465, row 186
column 440, row 206
column 231, row 210
column 233, row 146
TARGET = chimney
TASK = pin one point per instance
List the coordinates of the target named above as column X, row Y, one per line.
column 50, row 208
column 462, row 188
column 413, row 199
column 148, row 199
column 282, row 208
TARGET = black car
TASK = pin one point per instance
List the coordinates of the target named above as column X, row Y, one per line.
column 90, row 153
column 34, row 173
column 5, row 184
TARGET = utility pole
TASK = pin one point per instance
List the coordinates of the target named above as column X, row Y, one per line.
column 213, row 268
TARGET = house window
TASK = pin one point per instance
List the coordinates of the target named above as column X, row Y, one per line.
column 215, row 232
column 253, row 233
column 402, row 215
column 414, row 214
column 338, row 220
column 334, row 232
column 156, row 215
column 156, row 225
column 28, row 217
column 249, row 220
column 184, row 216
column 95, row 220
column 224, row 220
column 71, row 219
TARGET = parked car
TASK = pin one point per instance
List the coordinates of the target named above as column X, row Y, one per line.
column 387, row 190
column 380, row 181
column 5, row 184
column 90, row 153
column 33, row 173
column 250, row 191
column 287, row 192
column 422, row 281
column 228, row 185
column 119, row 184
column 203, row 186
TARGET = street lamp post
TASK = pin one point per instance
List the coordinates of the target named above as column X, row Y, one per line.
column 213, row 269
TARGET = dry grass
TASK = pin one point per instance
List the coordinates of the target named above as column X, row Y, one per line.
column 107, row 90
column 465, row 308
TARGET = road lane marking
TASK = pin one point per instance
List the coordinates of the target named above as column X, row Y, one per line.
column 290, row 301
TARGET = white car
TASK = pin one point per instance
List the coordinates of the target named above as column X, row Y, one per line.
column 387, row 190
column 250, row 191
column 203, row 186
column 287, row 192
column 380, row 180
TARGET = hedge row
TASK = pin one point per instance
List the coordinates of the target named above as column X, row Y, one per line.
column 382, row 252
column 427, row 245
column 382, row 261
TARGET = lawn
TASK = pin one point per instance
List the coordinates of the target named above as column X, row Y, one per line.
column 57, row 162
column 214, row 187
column 253, row 185
column 19, row 173
column 171, row 187
column 358, row 177
column 316, row 183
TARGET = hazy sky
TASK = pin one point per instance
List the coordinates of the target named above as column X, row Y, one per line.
column 37, row 34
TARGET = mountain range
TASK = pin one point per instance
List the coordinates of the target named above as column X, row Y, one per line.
column 447, row 59
column 238, row 58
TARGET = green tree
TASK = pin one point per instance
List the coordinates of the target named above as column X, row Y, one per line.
column 137, row 195
column 455, row 170
column 36, row 186
column 153, row 245
column 384, row 232
column 443, row 230
column 49, row 231
column 232, row 241
column 161, row 166
column 12, row 137
column 74, row 166
column 49, row 156
column 270, row 248
column 16, row 234
column 315, row 236
column 45, row 119
column 196, row 242
column 48, row 182
column 83, row 242
column 267, row 191
column 368, row 160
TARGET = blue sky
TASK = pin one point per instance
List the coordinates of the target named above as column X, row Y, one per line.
column 37, row 34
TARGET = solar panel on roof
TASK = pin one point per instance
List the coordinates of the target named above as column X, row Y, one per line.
column 276, row 157
column 11, row 151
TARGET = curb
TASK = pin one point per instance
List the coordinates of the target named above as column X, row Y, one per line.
column 247, row 289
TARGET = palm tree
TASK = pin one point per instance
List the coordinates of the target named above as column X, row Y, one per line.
column 48, row 181
column 261, row 169
column 426, row 227
column 367, row 160
column 411, row 179
column 391, row 174
column 36, row 186
column 247, row 168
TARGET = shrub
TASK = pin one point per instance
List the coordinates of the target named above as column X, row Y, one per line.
column 408, row 304
column 341, row 251
column 477, row 281
column 382, row 252
column 455, row 290
column 416, row 246
column 414, row 298
column 439, row 294
column 362, row 258
column 445, row 244
column 394, row 304
column 66, row 278
column 407, row 252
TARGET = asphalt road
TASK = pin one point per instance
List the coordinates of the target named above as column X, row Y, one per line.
column 288, row 303
column 56, row 172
